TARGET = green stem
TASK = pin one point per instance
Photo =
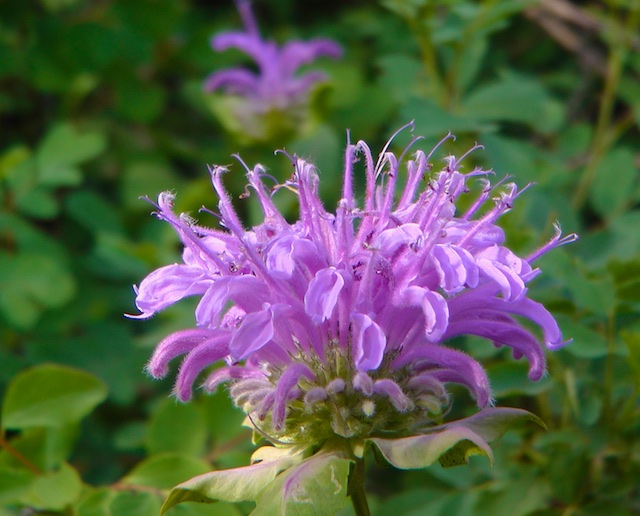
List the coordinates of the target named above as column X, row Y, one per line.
column 356, row 489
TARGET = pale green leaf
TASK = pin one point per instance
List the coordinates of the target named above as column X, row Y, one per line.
column 177, row 427
column 14, row 483
column 316, row 487
column 54, row 490
column 50, row 395
column 231, row 485
column 420, row 451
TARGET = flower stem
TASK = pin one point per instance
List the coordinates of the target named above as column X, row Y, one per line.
column 356, row 489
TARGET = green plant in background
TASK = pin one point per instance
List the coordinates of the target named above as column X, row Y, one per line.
column 550, row 88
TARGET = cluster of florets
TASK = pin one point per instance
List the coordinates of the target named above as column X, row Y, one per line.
column 338, row 323
column 274, row 99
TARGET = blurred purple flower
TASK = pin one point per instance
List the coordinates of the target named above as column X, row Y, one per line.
column 275, row 86
column 338, row 323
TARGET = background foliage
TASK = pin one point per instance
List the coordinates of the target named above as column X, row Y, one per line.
column 101, row 103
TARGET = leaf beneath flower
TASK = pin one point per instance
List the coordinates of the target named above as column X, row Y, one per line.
column 317, row 486
column 453, row 443
column 421, row 451
column 233, row 485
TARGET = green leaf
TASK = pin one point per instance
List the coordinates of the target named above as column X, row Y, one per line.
column 45, row 447
column 234, row 485
column 14, row 484
column 95, row 502
column 55, row 490
column 613, row 186
column 316, row 487
column 632, row 341
column 177, row 427
column 165, row 470
column 454, row 445
column 92, row 211
column 510, row 378
column 62, row 149
column 431, row 120
column 31, row 282
column 515, row 98
column 135, row 504
column 50, row 395
column 586, row 342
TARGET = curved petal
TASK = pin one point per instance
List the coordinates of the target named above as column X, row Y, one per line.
column 368, row 342
column 233, row 80
column 174, row 345
column 456, row 267
column 169, row 284
column 254, row 332
column 203, row 355
column 247, row 293
column 286, row 383
column 322, row 295
column 296, row 53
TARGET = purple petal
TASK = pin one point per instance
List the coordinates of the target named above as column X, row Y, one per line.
column 322, row 294
column 172, row 346
column 286, row 382
column 511, row 285
column 434, row 308
column 504, row 332
column 391, row 390
column 248, row 293
column 294, row 54
column 453, row 366
column 368, row 342
column 254, row 332
column 205, row 354
column 456, row 267
column 169, row 284
column 233, row 80
column 390, row 240
column 229, row 373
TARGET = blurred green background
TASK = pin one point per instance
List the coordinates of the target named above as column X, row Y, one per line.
column 101, row 103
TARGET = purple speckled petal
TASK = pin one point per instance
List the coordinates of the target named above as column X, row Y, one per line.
column 254, row 332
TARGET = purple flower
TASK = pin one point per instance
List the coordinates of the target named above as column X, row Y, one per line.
column 338, row 323
column 274, row 89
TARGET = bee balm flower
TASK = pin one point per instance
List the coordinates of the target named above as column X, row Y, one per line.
column 274, row 97
column 337, row 324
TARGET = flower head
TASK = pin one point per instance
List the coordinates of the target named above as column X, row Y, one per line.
column 337, row 324
column 263, row 97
